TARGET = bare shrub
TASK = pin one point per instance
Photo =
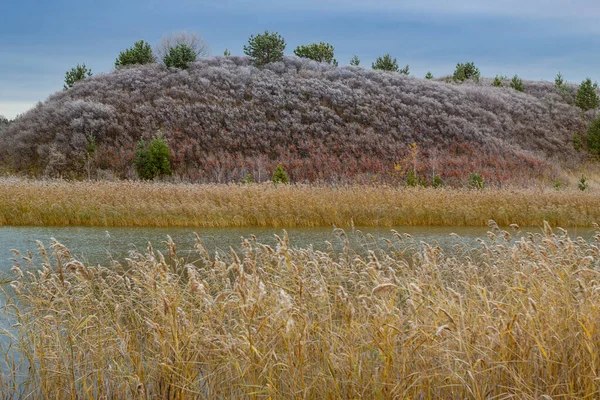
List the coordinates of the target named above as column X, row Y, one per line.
column 190, row 39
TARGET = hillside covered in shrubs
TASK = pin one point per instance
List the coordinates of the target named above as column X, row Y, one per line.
column 226, row 120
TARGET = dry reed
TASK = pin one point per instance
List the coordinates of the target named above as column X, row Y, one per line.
column 519, row 319
column 61, row 203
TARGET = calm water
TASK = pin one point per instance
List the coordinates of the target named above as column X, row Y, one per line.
column 97, row 245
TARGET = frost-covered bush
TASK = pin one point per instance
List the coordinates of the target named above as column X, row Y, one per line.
column 224, row 118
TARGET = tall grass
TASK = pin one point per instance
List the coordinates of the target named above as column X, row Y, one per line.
column 56, row 203
column 517, row 319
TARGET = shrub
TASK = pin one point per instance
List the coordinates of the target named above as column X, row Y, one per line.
column 583, row 183
column 497, row 82
column 387, row 63
column 517, row 83
column 190, row 39
column 279, row 175
column 140, row 53
column 153, row 160
column 587, row 96
column 180, row 56
column 412, row 180
column 429, row 75
column 355, row 61
column 436, row 181
column 557, row 184
column 265, row 48
column 476, row 181
column 593, row 137
column 320, row 52
column 76, row 74
column 248, row 179
column 466, row 71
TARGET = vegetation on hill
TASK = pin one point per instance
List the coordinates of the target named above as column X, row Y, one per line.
column 225, row 119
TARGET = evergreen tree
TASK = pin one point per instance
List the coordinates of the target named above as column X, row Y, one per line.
column 76, row 74
column 387, row 63
column 154, row 159
column 466, row 71
column 321, row 52
column 265, row 48
column 497, row 82
column 559, row 81
column 429, row 75
column 140, row 53
column 593, row 137
column 517, row 84
column 587, row 95
column 355, row 61
column 180, row 56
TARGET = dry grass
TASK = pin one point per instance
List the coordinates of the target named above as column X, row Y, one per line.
column 518, row 320
column 60, row 203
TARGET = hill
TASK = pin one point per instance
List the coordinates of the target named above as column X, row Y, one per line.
column 224, row 118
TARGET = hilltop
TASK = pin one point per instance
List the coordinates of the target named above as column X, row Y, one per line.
column 224, row 119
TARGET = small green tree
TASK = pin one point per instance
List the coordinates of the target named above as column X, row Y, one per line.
column 517, row 83
column 476, row 181
column 265, row 48
column 76, row 74
column 497, row 82
column 587, row 95
column 321, row 52
column 583, row 183
column 466, row 71
column 140, row 53
column 593, row 137
column 387, row 63
column 559, row 82
column 180, row 56
column 227, row 53
column 279, row 175
column 355, row 61
column 154, row 159
column 429, row 75
column 436, row 181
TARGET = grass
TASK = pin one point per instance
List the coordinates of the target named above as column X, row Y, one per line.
column 516, row 319
column 61, row 203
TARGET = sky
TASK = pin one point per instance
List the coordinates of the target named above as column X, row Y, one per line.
column 41, row 39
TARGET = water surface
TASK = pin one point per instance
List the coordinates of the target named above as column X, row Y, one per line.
column 97, row 245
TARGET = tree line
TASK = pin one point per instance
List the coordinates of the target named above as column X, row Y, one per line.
column 180, row 49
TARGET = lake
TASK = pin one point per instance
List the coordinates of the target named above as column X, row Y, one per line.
column 97, row 244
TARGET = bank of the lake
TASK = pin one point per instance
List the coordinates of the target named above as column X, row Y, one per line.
column 143, row 204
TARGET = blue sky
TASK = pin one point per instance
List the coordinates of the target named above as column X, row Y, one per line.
column 41, row 39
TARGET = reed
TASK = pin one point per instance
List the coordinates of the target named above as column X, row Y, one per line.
column 518, row 318
column 127, row 203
